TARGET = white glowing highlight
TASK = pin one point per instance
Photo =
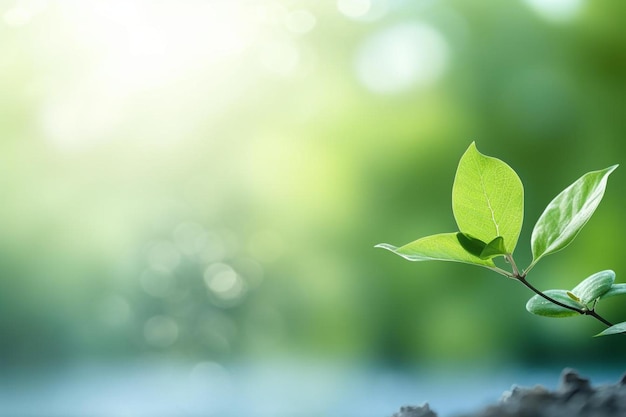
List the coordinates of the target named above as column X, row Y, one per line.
column 354, row 8
column 401, row 57
column 136, row 48
column 556, row 10
column 223, row 281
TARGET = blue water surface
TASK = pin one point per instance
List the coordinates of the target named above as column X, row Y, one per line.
column 270, row 389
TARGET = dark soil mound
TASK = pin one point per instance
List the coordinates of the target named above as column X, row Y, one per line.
column 575, row 397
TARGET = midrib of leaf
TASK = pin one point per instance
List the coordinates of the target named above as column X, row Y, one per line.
column 482, row 186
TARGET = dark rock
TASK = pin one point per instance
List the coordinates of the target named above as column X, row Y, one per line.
column 575, row 397
column 409, row 411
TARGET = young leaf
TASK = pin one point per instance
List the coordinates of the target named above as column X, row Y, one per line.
column 595, row 286
column 561, row 221
column 471, row 244
column 441, row 247
column 616, row 289
column 615, row 329
column 542, row 307
column 481, row 249
column 493, row 249
column 487, row 199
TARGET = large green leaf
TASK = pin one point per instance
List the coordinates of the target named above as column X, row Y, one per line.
column 615, row 329
column 595, row 286
column 487, row 199
column 441, row 247
column 542, row 307
column 568, row 213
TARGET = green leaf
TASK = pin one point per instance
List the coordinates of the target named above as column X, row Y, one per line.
column 471, row 244
column 616, row 289
column 566, row 215
column 487, row 199
column 595, row 286
column 481, row 249
column 493, row 249
column 441, row 247
column 542, row 307
column 615, row 329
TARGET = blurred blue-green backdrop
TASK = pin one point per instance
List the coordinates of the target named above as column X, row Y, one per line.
column 205, row 180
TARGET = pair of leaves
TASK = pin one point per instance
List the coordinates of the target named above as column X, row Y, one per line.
column 588, row 292
column 597, row 287
column 488, row 206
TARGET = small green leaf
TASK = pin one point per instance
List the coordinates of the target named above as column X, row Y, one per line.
column 566, row 215
column 595, row 286
column 616, row 289
column 493, row 249
column 441, row 247
column 481, row 249
column 542, row 307
column 488, row 199
column 573, row 296
column 471, row 244
column 615, row 329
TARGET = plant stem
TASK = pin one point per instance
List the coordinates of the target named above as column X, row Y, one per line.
column 511, row 261
column 595, row 315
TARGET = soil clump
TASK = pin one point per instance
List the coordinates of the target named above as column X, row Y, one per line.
column 574, row 397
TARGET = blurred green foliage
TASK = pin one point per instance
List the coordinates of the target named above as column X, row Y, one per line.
column 209, row 179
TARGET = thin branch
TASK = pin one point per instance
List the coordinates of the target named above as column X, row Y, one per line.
column 511, row 261
column 502, row 272
column 522, row 279
column 595, row 315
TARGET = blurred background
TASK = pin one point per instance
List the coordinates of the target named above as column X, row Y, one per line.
column 191, row 192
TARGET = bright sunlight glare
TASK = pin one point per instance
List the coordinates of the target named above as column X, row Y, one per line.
column 129, row 49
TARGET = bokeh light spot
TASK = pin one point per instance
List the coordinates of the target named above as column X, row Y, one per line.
column 363, row 10
column 401, row 57
column 354, row 8
column 224, row 282
column 556, row 10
